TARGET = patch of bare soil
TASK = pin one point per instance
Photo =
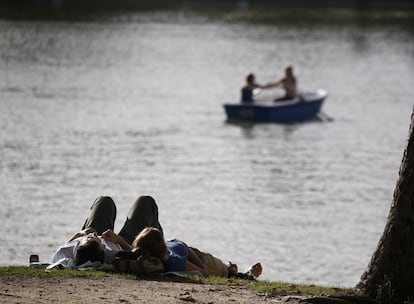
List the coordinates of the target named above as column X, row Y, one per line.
column 117, row 290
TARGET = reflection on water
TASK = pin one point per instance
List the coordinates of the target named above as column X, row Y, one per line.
column 132, row 104
column 249, row 129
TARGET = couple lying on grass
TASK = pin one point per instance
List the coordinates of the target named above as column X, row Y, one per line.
column 141, row 234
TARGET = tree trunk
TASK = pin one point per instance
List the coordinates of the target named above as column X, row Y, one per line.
column 392, row 264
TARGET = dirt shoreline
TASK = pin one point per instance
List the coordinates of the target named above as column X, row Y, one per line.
column 27, row 289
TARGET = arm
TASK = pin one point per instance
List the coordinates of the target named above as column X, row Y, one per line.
column 113, row 237
column 193, row 258
column 271, row 85
column 191, row 267
column 193, row 262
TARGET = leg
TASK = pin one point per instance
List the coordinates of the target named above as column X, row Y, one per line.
column 102, row 216
column 143, row 213
column 213, row 265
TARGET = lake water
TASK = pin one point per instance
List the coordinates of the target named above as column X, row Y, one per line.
column 133, row 105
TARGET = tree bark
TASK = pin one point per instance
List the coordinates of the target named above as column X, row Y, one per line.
column 392, row 263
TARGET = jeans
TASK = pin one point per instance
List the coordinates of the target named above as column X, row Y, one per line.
column 143, row 213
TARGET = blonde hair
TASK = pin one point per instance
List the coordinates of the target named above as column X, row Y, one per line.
column 150, row 240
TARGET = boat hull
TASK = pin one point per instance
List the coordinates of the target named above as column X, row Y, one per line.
column 304, row 108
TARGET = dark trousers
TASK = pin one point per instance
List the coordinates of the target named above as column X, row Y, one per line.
column 143, row 213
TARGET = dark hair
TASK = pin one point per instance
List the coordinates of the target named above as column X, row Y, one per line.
column 250, row 78
column 89, row 251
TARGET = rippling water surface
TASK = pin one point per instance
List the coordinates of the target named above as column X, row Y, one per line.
column 134, row 106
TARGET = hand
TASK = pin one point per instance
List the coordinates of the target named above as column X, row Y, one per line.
column 81, row 233
column 88, row 231
column 109, row 235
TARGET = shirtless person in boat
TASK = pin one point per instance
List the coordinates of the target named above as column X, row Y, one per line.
column 288, row 83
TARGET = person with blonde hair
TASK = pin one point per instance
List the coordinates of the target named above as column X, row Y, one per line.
column 178, row 256
column 288, row 82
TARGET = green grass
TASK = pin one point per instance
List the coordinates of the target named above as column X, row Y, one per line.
column 281, row 288
column 267, row 287
column 27, row 271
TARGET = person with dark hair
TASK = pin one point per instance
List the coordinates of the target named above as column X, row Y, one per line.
column 97, row 242
column 249, row 88
column 90, row 249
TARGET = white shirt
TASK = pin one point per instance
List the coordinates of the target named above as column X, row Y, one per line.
column 68, row 250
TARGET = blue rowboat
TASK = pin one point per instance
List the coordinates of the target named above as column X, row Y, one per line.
column 305, row 106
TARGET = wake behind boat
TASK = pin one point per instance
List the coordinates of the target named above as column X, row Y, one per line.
column 305, row 106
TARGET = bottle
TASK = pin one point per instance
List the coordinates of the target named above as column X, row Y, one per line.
column 34, row 258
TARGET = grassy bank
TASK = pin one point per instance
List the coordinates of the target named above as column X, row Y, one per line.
column 266, row 287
